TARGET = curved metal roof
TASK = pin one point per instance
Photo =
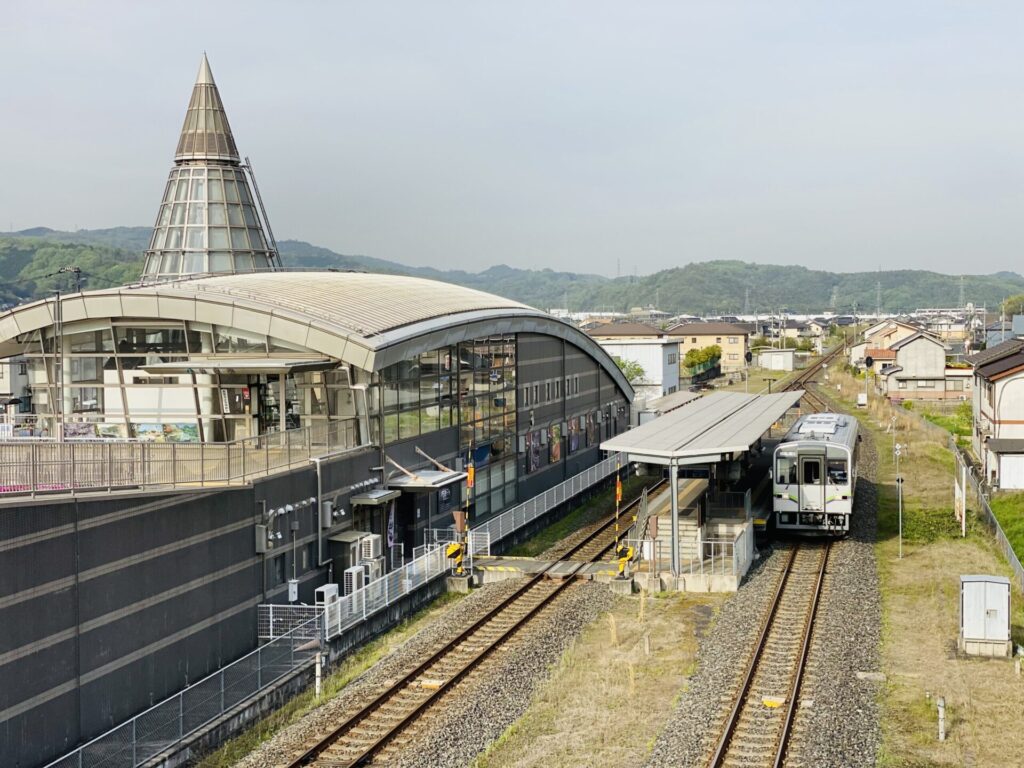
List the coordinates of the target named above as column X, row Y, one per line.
column 368, row 320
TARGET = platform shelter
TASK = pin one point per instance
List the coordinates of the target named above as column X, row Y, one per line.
column 719, row 427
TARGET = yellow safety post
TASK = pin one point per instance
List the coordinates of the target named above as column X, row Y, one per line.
column 454, row 551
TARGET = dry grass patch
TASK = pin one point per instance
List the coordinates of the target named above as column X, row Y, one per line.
column 920, row 607
column 984, row 697
column 608, row 699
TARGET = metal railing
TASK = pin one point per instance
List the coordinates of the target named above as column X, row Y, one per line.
column 32, row 467
column 164, row 725
column 722, row 556
column 513, row 519
column 985, row 513
column 349, row 610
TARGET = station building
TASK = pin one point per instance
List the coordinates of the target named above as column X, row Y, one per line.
column 190, row 430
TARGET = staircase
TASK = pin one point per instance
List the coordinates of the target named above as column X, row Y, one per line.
column 688, row 536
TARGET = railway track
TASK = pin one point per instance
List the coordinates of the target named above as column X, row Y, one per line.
column 805, row 376
column 367, row 732
column 600, row 543
column 757, row 729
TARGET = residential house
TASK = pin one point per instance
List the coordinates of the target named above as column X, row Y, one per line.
column 1002, row 330
column 733, row 339
column 652, row 349
column 882, row 335
column 920, row 372
column 998, row 409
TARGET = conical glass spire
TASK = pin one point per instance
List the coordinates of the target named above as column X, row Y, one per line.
column 208, row 222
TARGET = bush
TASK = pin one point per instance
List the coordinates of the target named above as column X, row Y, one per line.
column 908, row 405
column 695, row 357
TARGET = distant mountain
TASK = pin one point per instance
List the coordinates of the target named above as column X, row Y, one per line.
column 113, row 256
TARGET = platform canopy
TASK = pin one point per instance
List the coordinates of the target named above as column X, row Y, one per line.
column 707, row 430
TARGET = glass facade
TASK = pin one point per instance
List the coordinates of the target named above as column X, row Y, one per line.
column 207, row 223
column 471, row 386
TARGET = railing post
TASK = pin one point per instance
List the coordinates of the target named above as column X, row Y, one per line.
column 135, row 746
column 222, row 691
column 259, row 668
column 110, row 466
column 202, row 476
column 181, row 716
column 174, row 463
column 35, row 464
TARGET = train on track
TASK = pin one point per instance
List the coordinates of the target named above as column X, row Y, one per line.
column 814, row 475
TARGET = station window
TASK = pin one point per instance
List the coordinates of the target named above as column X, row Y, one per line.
column 575, row 385
column 278, row 566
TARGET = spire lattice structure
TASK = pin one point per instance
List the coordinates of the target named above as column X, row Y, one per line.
column 209, row 221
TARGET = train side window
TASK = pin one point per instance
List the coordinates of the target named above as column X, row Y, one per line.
column 837, row 472
column 812, row 472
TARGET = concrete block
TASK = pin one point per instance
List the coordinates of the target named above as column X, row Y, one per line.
column 647, row 582
column 621, row 586
column 670, row 583
column 459, row 583
column 990, row 648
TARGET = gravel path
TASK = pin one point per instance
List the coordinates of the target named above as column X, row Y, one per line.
column 838, row 724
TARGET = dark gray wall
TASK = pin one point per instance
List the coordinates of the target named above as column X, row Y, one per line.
column 542, row 360
column 110, row 604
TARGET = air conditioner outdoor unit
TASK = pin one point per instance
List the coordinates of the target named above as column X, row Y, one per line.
column 353, row 579
column 371, row 547
column 374, row 568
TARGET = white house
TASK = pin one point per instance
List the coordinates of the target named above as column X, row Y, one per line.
column 998, row 408
column 918, row 371
column 652, row 349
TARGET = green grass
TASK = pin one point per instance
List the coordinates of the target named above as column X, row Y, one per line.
column 1009, row 511
column 593, row 510
column 958, row 423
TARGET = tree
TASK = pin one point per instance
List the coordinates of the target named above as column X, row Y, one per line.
column 695, row 357
column 1013, row 305
column 632, row 370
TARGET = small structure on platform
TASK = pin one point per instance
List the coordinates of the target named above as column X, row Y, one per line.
column 985, row 616
column 704, row 435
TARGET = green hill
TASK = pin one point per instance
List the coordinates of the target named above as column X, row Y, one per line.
column 113, row 256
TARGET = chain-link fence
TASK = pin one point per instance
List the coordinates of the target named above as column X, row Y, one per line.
column 162, row 726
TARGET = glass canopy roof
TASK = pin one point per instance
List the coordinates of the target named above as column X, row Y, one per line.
column 209, row 221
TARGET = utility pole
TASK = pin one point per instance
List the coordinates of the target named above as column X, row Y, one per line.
column 961, row 291
column 899, row 489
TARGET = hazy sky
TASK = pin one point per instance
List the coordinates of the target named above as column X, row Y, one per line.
column 572, row 135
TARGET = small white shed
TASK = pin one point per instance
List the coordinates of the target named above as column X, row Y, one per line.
column 777, row 359
column 985, row 616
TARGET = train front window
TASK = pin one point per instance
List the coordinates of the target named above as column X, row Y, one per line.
column 837, row 472
column 812, row 472
column 786, row 470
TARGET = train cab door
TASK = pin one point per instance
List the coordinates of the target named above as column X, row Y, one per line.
column 812, row 483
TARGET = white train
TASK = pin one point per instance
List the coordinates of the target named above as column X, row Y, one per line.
column 814, row 474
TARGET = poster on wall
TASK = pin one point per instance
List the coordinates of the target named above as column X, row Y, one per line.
column 555, row 443
column 167, row 433
column 532, row 451
column 110, row 431
column 592, row 437
column 79, row 431
column 574, row 434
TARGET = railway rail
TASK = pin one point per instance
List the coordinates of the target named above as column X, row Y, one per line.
column 368, row 731
column 758, row 728
column 805, row 376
